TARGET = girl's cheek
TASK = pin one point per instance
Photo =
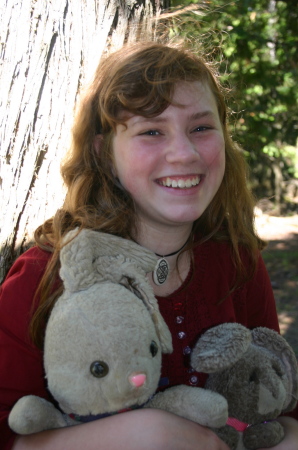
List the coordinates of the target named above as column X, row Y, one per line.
column 214, row 157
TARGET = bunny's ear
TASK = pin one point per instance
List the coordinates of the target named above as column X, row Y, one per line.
column 276, row 344
column 220, row 347
column 143, row 291
column 90, row 256
column 82, row 248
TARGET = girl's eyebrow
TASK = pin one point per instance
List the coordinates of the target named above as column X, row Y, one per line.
column 202, row 114
column 159, row 119
column 155, row 119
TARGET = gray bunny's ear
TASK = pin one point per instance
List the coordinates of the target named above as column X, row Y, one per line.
column 82, row 248
column 220, row 347
column 276, row 344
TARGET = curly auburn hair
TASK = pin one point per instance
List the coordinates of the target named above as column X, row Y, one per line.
column 139, row 78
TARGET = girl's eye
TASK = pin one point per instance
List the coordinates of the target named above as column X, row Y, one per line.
column 151, row 133
column 198, row 129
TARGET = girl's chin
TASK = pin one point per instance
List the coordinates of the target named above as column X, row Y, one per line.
column 182, row 215
column 171, row 219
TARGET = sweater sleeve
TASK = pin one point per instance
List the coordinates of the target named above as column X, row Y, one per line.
column 261, row 306
column 21, row 363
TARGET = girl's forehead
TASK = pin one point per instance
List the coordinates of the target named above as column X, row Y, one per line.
column 186, row 94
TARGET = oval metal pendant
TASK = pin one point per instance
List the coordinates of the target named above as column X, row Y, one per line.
column 161, row 272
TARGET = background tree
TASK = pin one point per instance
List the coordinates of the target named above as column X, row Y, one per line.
column 49, row 48
column 255, row 44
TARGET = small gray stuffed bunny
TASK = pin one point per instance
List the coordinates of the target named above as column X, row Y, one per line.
column 256, row 371
column 104, row 341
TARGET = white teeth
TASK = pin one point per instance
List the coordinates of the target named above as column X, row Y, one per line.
column 182, row 184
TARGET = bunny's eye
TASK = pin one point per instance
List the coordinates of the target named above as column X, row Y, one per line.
column 99, row 369
column 253, row 377
column 153, row 348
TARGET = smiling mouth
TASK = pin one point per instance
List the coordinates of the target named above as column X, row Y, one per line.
column 180, row 183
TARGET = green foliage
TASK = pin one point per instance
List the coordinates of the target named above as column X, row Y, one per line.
column 255, row 43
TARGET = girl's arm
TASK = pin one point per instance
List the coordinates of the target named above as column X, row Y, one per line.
column 18, row 354
column 145, row 429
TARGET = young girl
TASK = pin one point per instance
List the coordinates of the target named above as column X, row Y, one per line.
column 152, row 161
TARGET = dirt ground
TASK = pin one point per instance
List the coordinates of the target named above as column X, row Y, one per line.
column 281, row 258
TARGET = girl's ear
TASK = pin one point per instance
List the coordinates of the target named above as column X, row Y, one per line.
column 97, row 142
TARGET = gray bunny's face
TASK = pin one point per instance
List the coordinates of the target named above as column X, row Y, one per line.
column 255, row 386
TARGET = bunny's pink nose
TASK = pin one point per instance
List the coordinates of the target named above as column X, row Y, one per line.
column 137, row 379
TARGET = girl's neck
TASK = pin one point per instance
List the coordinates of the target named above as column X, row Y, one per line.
column 163, row 242
column 166, row 242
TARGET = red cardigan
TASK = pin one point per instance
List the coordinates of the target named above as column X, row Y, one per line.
column 193, row 308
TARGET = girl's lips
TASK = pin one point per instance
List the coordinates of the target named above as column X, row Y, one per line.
column 180, row 182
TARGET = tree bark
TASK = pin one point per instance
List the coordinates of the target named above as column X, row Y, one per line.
column 49, row 48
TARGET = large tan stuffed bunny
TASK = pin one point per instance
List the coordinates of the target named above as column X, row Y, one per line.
column 104, row 341
column 256, row 371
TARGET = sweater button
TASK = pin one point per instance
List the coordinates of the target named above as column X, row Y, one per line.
column 193, row 380
column 187, row 350
column 179, row 319
column 177, row 306
column 181, row 335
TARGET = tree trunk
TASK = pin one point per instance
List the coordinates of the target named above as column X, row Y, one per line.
column 49, row 48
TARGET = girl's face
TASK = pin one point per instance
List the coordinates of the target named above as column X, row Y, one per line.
column 172, row 164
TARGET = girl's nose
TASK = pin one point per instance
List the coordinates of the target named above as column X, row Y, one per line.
column 181, row 149
column 137, row 379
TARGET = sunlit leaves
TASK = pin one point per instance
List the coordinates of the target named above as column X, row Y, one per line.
column 255, row 43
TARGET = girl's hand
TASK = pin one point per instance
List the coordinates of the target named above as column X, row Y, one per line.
column 290, row 441
column 145, row 429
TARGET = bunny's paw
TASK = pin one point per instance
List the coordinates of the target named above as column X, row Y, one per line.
column 267, row 434
column 199, row 405
column 32, row 414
